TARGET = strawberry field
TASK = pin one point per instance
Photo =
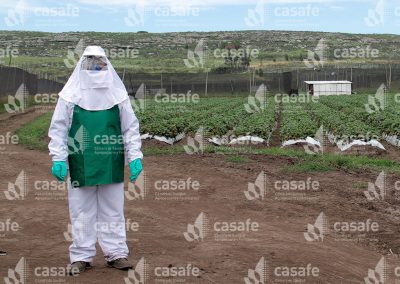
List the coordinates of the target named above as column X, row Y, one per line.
column 359, row 116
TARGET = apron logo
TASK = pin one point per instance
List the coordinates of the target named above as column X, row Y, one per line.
column 78, row 143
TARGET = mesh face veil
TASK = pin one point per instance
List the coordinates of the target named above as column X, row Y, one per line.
column 94, row 63
column 91, row 89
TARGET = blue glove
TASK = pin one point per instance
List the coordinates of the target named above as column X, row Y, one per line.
column 136, row 167
column 59, row 170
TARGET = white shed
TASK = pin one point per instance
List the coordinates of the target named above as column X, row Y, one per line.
column 328, row 88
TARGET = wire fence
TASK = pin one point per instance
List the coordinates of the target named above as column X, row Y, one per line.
column 277, row 81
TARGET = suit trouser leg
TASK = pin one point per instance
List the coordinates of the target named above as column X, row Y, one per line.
column 111, row 221
column 83, row 213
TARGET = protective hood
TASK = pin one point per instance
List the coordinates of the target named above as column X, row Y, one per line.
column 91, row 89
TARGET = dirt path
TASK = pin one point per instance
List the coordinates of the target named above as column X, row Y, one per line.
column 222, row 257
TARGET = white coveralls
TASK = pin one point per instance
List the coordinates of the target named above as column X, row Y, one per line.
column 96, row 212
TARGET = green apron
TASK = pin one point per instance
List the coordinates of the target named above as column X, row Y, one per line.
column 96, row 148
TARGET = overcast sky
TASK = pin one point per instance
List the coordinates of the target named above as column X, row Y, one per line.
column 352, row 16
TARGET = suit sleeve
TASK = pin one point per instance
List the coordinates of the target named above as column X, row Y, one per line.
column 130, row 131
column 58, row 131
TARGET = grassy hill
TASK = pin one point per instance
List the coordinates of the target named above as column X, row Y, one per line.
column 164, row 52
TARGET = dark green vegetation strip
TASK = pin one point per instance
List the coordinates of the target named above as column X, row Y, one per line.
column 33, row 136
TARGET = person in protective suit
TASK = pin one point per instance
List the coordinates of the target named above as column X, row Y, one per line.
column 93, row 134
